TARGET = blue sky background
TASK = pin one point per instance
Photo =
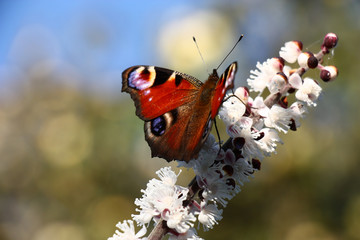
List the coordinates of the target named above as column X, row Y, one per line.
column 97, row 37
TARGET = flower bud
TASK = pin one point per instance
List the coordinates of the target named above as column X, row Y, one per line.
column 283, row 102
column 229, row 170
column 307, row 59
column 329, row 73
column 238, row 142
column 231, row 183
column 277, row 63
column 256, row 164
column 299, row 45
column 243, row 94
column 292, row 125
column 330, row 41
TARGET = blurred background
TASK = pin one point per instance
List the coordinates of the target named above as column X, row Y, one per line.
column 73, row 154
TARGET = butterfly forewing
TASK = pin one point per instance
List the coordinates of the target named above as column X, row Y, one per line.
column 226, row 82
column 157, row 91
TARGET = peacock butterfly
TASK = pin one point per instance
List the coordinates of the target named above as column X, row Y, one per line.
column 178, row 109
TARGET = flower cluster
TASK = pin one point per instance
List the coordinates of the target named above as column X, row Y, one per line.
column 162, row 199
column 253, row 125
column 218, row 176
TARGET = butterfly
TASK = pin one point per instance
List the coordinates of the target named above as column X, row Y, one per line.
column 178, row 109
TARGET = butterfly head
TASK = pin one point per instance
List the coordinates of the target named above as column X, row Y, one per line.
column 214, row 73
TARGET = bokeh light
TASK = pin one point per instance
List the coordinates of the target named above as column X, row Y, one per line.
column 212, row 31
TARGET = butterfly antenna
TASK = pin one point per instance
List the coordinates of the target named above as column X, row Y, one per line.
column 242, row 35
column 233, row 95
column 197, row 46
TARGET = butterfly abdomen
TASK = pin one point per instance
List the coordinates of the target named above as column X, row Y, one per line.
column 207, row 90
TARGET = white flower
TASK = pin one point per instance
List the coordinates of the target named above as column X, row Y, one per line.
column 236, row 129
column 268, row 141
column 232, row 110
column 257, row 143
column 251, row 147
column 303, row 59
column 164, row 199
column 167, row 176
column 277, row 82
column 128, row 231
column 243, row 169
column 308, row 92
column 295, row 80
column 291, row 51
column 286, row 70
column 278, row 118
column 298, row 111
column 260, row 107
column 146, row 210
column 216, row 189
column 209, row 215
column 168, row 199
column 260, row 77
column 179, row 219
column 243, row 129
column 242, row 93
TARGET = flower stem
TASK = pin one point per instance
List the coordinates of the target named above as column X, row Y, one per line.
column 159, row 230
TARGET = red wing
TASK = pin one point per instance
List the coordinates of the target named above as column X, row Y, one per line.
column 225, row 82
column 178, row 134
column 156, row 91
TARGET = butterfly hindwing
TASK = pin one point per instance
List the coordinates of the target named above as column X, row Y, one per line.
column 177, row 134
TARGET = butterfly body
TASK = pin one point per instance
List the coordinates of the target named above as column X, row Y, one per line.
column 178, row 109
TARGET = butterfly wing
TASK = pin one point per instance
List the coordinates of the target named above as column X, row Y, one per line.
column 165, row 100
column 178, row 134
column 177, row 109
column 226, row 82
column 157, row 91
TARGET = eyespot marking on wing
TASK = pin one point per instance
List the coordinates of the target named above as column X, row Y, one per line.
column 142, row 78
column 159, row 125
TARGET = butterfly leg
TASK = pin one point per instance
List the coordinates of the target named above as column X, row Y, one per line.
column 218, row 135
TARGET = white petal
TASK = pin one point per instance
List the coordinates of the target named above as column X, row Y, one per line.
column 290, row 51
column 276, row 83
column 242, row 93
column 295, row 80
column 232, row 110
column 309, row 92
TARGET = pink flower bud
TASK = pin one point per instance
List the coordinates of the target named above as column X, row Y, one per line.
column 330, row 40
